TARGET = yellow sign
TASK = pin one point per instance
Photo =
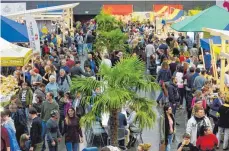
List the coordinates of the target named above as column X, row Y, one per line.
column 16, row 61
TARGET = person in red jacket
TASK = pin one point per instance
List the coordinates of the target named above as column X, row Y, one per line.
column 207, row 141
column 5, row 142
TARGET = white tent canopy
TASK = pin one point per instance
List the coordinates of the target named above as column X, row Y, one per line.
column 216, row 32
column 13, row 55
column 43, row 10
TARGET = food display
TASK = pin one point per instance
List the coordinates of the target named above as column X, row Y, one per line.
column 8, row 87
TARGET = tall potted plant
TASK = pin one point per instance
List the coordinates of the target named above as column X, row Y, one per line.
column 109, row 34
column 119, row 86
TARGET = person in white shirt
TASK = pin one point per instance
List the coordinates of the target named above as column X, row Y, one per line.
column 149, row 50
column 106, row 60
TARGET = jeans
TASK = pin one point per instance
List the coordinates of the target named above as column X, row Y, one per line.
column 89, row 47
column 182, row 94
column 160, row 96
column 147, row 62
column 226, row 136
column 70, row 146
column 52, row 148
column 174, row 107
column 61, row 125
column 170, row 139
column 43, row 134
column 80, row 49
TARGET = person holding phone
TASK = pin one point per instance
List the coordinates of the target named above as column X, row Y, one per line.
column 185, row 145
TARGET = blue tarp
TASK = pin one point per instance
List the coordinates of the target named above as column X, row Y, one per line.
column 216, row 40
column 13, row 31
column 205, row 42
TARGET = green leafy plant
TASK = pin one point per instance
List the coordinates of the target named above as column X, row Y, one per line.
column 106, row 22
column 112, row 40
column 119, row 87
column 109, row 34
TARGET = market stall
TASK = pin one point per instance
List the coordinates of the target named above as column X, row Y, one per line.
column 13, row 31
column 224, row 52
column 11, row 55
column 213, row 17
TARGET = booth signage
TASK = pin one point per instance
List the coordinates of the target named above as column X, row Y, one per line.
column 33, row 33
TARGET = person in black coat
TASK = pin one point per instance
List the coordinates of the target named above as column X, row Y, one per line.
column 153, row 66
column 35, row 131
column 173, row 94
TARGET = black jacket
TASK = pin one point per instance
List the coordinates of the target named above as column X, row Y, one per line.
column 36, row 131
column 173, row 93
column 76, row 71
column 153, row 68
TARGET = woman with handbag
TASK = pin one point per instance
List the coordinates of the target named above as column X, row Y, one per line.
column 223, row 123
column 167, row 127
column 214, row 108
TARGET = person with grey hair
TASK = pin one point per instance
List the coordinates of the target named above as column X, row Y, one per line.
column 64, row 81
column 106, row 60
column 52, row 86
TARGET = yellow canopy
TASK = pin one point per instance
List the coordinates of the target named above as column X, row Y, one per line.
column 13, row 55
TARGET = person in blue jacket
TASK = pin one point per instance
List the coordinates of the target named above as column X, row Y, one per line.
column 216, row 104
column 207, row 61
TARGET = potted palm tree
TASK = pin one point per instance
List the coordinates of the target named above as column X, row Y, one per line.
column 120, row 86
column 109, row 34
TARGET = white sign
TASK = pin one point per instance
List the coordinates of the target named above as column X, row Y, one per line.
column 11, row 8
column 33, row 33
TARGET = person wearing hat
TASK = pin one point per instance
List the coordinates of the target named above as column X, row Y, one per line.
column 185, row 145
column 53, row 131
column 35, row 131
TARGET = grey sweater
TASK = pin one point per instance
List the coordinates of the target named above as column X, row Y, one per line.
column 53, row 131
column 46, row 109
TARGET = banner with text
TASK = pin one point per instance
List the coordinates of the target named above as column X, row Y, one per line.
column 33, row 33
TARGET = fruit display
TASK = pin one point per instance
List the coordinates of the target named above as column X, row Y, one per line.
column 8, row 87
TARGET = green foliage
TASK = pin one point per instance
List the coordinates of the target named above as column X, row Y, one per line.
column 106, row 22
column 119, row 87
column 109, row 34
column 112, row 40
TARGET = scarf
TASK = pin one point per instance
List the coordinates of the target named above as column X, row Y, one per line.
column 62, row 79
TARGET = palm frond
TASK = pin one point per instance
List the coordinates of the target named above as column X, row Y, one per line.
column 88, row 119
column 85, row 85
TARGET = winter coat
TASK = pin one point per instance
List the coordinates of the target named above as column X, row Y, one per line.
column 192, row 128
column 28, row 97
column 65, row 86
column 173, row 93
column 153, row 68
column 164, row 75
column 216, row 104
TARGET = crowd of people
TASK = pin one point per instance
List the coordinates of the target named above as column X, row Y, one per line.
column 44, row 110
